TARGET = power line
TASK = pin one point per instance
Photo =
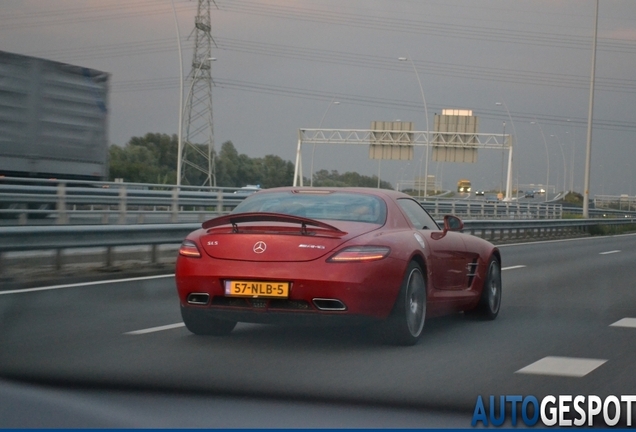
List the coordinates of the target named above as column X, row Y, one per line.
column 415, row 106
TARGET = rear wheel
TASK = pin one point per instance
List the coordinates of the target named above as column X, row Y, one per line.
column 199, row 322
column 490, row 301
column 406, row 322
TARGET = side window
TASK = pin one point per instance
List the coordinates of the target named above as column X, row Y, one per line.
column 417, row 215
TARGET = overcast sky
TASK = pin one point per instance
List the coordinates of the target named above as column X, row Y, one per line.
column 280, row 64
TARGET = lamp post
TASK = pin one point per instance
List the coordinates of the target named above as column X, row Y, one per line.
column 590, row 115
column 409, row 58
column 547, row 154
column 564, row 163
column 573, row 140
column 180, row 136
column 313, row 150
column 503, row 138
column 514, row 130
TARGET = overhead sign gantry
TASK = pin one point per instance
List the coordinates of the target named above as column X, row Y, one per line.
column 439, row 141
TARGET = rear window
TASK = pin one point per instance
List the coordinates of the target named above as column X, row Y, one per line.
column 342, row 206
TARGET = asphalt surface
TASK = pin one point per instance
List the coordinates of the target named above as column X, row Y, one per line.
column 560, row 302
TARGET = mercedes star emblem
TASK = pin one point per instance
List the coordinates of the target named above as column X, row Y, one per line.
column 259, row 247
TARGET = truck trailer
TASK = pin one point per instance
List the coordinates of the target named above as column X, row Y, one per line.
column 53, row 120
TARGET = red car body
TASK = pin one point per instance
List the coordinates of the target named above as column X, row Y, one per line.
column 307, row 255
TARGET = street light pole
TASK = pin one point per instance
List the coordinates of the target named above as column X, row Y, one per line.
column 547, row 154
column 588, row 151
column 514, row 130
column 428, row 141
column 572, row 152
column 313, row 150
column 503, row 139
column 564, row 163
column 180, row 137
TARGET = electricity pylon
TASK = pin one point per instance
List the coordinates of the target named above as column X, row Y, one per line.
column 199, row 126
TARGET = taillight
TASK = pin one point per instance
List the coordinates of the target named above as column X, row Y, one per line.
column 189, row 249
column 360, row 254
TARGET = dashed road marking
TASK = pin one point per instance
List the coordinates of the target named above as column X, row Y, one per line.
column 609, row 252
column 75, row 285
column 156, row 329
column 562, row 366
column 625, row 322
column 513, row 267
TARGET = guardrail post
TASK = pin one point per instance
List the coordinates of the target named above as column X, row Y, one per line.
column 175, row 205
column 154, row 254
column 219, row 202
column 109, row 256
column 122, row 205
column 59, row 259
column 62, row 217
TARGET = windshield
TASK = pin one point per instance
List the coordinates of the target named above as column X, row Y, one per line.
column 329, row 205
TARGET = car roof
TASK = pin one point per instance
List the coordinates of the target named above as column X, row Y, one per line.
column 383, row 193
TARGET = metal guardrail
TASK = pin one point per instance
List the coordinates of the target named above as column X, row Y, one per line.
column 107, row 201
column 60, row 238
column 476, row 209
column 510, row 230
column 125, row 204
column 615, row 202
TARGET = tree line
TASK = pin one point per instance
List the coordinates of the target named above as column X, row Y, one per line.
column 153, row 159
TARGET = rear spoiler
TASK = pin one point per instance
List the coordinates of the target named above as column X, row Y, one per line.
column 235, row 219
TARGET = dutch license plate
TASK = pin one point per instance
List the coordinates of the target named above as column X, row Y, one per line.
column 256, row 289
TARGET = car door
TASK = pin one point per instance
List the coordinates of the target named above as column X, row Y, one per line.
column 448, row 259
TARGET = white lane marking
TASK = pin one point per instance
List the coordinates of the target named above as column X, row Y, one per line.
column 156, row 329
column 609, row 252
column 564, row 240
column 75, row 285
column 562, row 366
column 513, row 267
column 625, row 322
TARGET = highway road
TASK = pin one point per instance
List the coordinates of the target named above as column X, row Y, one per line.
column 117, row 353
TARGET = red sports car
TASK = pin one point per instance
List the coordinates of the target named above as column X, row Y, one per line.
column 335, row 256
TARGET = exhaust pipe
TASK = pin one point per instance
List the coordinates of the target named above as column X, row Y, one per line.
column 324, row 304
column 198, row 298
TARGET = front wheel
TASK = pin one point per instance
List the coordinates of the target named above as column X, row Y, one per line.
column 490, row 300
column 406, row 322
column 199, row 322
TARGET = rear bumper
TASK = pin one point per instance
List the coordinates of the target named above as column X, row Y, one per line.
column 280, row 317
column 317, row 289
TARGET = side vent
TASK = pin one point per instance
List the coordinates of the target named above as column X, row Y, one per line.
column 472, row 271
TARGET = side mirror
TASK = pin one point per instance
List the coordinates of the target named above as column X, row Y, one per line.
column 453, row 223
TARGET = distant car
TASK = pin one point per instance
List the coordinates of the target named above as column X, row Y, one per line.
column 334, row 256
column 248, row 190
column 492, row 198
column 479, row 193
column 529, row 195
